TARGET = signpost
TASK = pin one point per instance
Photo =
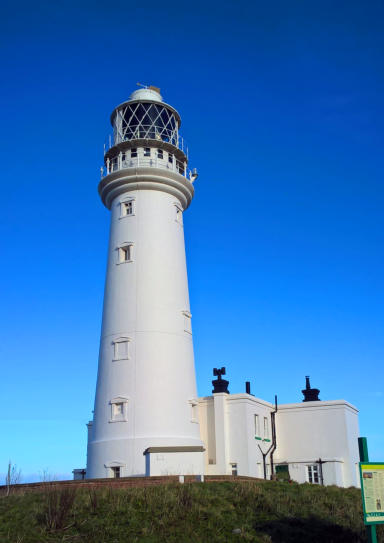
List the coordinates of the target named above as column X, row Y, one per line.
column 372, row 490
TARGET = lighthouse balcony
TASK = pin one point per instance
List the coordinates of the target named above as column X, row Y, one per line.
column 172, row 137
column 145, row 157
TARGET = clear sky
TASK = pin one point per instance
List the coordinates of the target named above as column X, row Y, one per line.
column 282, row 107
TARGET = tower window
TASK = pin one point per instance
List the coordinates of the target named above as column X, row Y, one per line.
column 180, row 167
column 179, row 214
column 123, row 155
column 119, row 410
column 160, row 153
column 187, row 322
column 147, row 151
column 116, row 472
column 133, row 152
column 126, row 208
column 125, row 253
column 313, row 474
column 121, row 348
column 170, row 158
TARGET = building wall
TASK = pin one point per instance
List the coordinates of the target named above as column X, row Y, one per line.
column 174, row 463
column 305, row 432
column 326, row 430
column 228, row 432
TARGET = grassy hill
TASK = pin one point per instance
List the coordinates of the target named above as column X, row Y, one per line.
column 261, row 512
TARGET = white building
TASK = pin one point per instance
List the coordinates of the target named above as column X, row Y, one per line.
column 312, row 441
column 147, row 417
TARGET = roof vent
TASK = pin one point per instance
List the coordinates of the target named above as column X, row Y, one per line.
column 219, row 384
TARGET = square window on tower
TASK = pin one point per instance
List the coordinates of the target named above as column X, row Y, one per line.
column 121, row 348
column 147, row 151
column 116, row 472
column 127, row 208
column 119, row 409
column 125, row 253
column 160, row 153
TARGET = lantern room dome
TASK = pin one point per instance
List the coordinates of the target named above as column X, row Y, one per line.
column 146, row 94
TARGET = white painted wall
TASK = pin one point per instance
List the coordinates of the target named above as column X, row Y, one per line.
column 174, row 463
column 328, row 430
column 227, row 430
column 305, row 432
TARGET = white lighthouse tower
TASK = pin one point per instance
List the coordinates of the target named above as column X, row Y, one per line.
column 145, row 417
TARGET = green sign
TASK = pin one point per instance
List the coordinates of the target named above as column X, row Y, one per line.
column 372, row 488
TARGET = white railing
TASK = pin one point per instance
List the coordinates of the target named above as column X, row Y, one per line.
column 177, row 141
column 118, row 164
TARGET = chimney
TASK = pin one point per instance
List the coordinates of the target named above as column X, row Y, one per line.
column 310, row 394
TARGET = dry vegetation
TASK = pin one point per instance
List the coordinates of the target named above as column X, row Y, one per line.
column 261, row 512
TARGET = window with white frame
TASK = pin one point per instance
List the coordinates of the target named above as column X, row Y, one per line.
column 187, row 322
column 125, row 253
column 127, row 208
column 133, row 152
column 116, row 472
column 313, row 474
column 256, row 425
column 147, row 151
column 266, row 428
column 121, row 348
column 160, row 153
column 119, row 409
column 170, row 158
column 115, row 469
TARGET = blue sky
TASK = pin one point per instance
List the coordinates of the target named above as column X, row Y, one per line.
column 281, row 104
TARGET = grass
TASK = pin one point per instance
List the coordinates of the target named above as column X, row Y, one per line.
column 261, row 512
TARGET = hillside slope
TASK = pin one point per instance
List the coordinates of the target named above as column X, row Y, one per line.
column 261, row 512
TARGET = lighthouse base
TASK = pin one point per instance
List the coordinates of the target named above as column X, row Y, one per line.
column 174, row 461
column 128, row 457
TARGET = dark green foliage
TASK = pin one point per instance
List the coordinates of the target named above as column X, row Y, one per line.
column 259, row 512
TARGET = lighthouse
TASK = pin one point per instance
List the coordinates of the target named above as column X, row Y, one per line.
column 145, row 419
